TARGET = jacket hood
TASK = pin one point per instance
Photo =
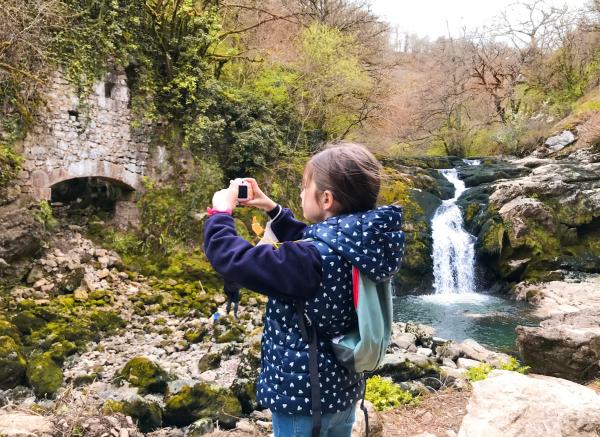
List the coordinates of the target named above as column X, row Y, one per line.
column 372, row 241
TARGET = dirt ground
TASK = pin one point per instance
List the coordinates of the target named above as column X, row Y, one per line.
column 439, row 413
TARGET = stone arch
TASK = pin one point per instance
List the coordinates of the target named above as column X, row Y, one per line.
column 44, row 180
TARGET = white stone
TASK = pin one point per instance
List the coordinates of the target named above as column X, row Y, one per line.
column 509, row 404
column 560, row 141
column 19, row 424
column 466, row 363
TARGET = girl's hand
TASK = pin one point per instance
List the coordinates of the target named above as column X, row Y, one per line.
column 226, row 199
column 260, row 199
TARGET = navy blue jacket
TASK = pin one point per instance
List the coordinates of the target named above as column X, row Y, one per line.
column 316, row 271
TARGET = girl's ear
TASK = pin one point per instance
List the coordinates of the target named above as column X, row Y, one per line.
column 327, row 200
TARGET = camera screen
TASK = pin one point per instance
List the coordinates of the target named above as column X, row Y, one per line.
column 243, row 192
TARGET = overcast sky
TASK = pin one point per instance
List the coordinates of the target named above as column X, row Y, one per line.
column 429, row 17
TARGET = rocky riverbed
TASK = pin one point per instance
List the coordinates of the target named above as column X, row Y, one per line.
column 87, row 336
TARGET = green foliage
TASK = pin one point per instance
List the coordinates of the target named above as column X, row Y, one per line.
column 514, row 366
column 385, row 395
column 10, row 164
column 481, row 372
column 168, row 212
column 44, row 215
column 333, row 87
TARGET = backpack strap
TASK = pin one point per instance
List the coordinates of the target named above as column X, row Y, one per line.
column 309, row 335
column 362, row 404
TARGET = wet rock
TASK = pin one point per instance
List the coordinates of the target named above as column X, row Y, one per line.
column 44, row 376
column 509, row 404
column 12, row 363
column 566, row 346
column 145, row 374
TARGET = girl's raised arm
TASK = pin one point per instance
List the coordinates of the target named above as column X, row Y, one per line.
column 291, row 271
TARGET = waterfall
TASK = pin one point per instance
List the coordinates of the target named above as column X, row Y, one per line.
column 453, row 247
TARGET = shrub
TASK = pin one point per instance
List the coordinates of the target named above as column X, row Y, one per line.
column 479, row 373
column 385, row 395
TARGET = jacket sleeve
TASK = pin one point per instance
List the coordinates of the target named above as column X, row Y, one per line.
column 291, row 271
column 284, row 225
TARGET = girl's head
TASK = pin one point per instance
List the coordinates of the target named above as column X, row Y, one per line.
column 344, row 178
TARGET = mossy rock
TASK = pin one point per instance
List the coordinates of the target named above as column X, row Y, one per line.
column 196, row 335
column 27, row 322
column 202, row 400
column 44, row 376
column 249, row 362
column 147, row 414
column 59, row 351
column 13, row 364
column 234, row 334
column 107, row 321
column 245, row 391
column 10, row 330
column 145, row 374
column 211, row 360
column 71, row 281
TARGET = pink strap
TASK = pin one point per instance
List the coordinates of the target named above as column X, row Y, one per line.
column 211, row 211
column 355, row 279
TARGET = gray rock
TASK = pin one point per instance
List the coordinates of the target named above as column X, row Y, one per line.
column 403, row 340
column 566, row 345
column 407, row 366
column 508, row 404
column 20, row 424
column 471, row 349
column 560, row 141
column 466, row 363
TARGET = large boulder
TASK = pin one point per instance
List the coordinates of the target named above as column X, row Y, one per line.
column 509, row 404
column 565, row 346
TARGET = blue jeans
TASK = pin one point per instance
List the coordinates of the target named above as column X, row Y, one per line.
column 300, row 425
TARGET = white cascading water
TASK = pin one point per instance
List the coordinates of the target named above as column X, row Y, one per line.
column 453, row 247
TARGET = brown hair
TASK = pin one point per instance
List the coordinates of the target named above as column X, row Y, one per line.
column 350, row 172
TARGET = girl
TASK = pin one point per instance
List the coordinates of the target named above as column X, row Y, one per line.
column 313, row 264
